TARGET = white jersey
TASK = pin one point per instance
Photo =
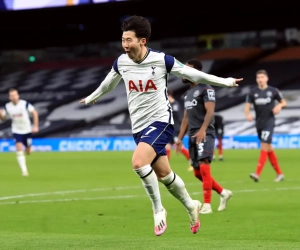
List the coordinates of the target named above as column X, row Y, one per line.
column 146, row 86
column 19, row 114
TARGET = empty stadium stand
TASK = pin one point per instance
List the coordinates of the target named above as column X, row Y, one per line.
column 55, row 89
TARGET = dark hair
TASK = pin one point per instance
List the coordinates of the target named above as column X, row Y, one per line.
column 196, row 63
column 170, row 92
column 262, row 71
column 12, row 90
column 140, row 25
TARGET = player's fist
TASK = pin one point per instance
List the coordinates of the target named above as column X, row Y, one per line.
column 178, row 146
column 276, row 110
column 35, row 129
column 249, row 118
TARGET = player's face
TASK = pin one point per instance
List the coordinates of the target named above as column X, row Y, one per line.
column 184, row 80
column 14, row 96
column 261, row 80
column 132, row 45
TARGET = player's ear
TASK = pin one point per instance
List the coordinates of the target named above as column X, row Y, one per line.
column 143, row 41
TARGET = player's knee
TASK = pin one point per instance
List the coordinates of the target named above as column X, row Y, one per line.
column 137, row 163
column 19, row 146
column 265, row 146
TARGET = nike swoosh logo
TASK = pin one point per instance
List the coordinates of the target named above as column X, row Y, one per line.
column 143, row 136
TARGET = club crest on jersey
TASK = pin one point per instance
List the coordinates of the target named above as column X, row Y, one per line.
column 269, row 93
column 153, row 68
column 141, row 86
column 196, row 93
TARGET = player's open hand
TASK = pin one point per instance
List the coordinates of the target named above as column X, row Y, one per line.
column 276, row 110
column 249, row 118
column 35, row 129
column 200, row 136
column 178, row 146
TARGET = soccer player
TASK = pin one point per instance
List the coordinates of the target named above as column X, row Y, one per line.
column 177, row 121
column 219, row 128
column 263, row 98
column 199, row 103
column 18, row 111
column 145, row 73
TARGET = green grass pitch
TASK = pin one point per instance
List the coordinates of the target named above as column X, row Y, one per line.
column 94, row 200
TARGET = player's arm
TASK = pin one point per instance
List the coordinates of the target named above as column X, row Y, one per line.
column 281, row 103
column 247, row 108
column 108, row 84
column 194, row 75
column 209, row 103
column 183, row 126
column 2, row 114
column 35, row 117
column 183, row 130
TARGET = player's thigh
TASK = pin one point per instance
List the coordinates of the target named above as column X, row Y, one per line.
column 161, row 167
column 143, row 155
column 266, row 134
column 193, row 151
column 18, row 138
column 205, row 149
column 151, row 143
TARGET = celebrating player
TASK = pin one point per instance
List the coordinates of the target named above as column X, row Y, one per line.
column 145, row 72
column 219, row 128
column 263, row 98
column 177, row 121
column 199, row 103
column 18, row 110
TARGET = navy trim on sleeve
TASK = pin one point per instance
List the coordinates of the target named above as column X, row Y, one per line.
column 169, row 62
column 115, row 66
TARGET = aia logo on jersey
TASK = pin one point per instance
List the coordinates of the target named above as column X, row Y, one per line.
column 17, row 115
column 141, row 86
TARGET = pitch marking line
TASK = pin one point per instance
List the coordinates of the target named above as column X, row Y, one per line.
column 137, row 196
column 106, row 189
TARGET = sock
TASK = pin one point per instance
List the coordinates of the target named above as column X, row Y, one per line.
column 261, row 162
column 207, row 182
column 168, row 154
column 185, row 152
column 220, row 146
column 150, row 183
column 215, row 185
column 176, row 187
column 274, row 162
column 22, row 161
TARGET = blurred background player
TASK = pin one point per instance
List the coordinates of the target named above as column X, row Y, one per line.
column 18, row 111
column 263, row 98
column 177, row 121
column 219, row 128
column 198, row 119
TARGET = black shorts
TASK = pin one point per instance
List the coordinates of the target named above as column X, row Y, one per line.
column 201, row 151
column 265, row 133
column 219, row 130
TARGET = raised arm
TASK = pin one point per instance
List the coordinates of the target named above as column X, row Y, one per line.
column 108, row 84
column 196, row 76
